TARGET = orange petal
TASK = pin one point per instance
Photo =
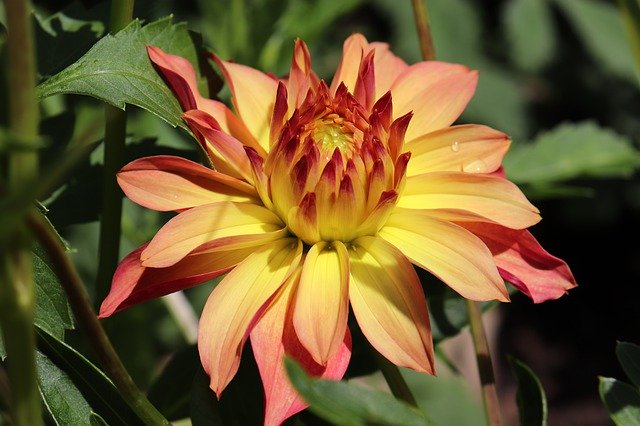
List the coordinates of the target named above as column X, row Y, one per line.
column 236, row 303
column 468, row 148
column 133, row 283
column 227, row 147
column 322, row 300
column 436, row 92
column 389, row 304
column 491, row 197
column 352, row 52
column 448, row 251
column 253, row 94
column 272, row 338
column 167, row 183
column 524, row 263
column 223, row 226
column 387, row 67
column 179, row 75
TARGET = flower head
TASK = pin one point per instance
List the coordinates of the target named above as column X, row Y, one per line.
column 322, row 198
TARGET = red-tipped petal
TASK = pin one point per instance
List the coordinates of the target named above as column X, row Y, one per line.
column 179, row 75
column 523, row 262
column 133, row 283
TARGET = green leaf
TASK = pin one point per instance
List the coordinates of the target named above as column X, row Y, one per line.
column 117, row 69
column 532, row 401
column 622, row 401
column 61, row 398
column 531, row 33
column 97, row 420
column 629, row 357
column 600, row 27
column 630, row 11
column 569, row 151
column 346, row 404
column 96, row 388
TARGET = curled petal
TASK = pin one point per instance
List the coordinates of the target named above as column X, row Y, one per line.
column 253, row 94
column 133, row 283
column 524, row 263
column 347, row 72
column 493, row 198
column 469, row 148
column 223, row 226
column 179, row 75
column 389, row 304
column 436, row 92
column 322, row 300
column 448, row 251
column 236, row 303
column 167, row 183
column 273, row 337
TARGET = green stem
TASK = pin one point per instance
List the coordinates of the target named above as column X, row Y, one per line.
column 485, row 367
column 394, row 379
column 86, row 318
column 424, row 31
column 114, row 146
column 17, row 287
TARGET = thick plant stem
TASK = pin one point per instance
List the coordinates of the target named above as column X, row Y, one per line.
column 424, row 30
column 16, row 286
column 394, row 379
column 114, row 145
column 485, row 368
column 86, row 318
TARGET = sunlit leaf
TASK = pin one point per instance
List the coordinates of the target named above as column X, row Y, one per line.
column 629, row 357
column 600, row 27
column 347, row 404
column 61, row 398
column 532, row 401
column 569, row 151
column 530, row 32
column 131, row 79
column 97, row 389
column 622, row 401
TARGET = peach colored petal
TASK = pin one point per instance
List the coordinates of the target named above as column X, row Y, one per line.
column 179, row 75
column 228, row 148
column 491, row 197
column 133, row 283
column 301, row 76
column 436, row 92
column 387, row 67
column 322, row 300
column 230, row 123
column 468, row 148
column 352, row 53
column 448, row 251
column 253, row 94
column 272, row 338
column 524, row 263
column 389, row 304
column 224, row 225
column 167, row 183
column 235, row 304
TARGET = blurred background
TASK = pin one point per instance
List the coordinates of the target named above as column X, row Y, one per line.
column 557, row 75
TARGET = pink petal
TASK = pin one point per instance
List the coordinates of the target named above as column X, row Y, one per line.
column 523, row 262
column 179, row 75
column 352, row 53
column 237, row 302
column 167, row 183
column 133, row 283
column 273, row 337
column 387, row 67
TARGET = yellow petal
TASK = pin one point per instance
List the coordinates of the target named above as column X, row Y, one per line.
column 352, row 54
column 322, row 300
column 253, row 95
column 169, row 183
column 236, row 302
column 448, row 251
column 468, row 148
column 491, row 197
column 389, row 304
column 224, row 225
column 436, row 92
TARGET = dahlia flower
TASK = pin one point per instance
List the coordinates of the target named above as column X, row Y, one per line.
column 321, row 201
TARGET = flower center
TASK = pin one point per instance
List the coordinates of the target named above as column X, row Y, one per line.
column 331, row 133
